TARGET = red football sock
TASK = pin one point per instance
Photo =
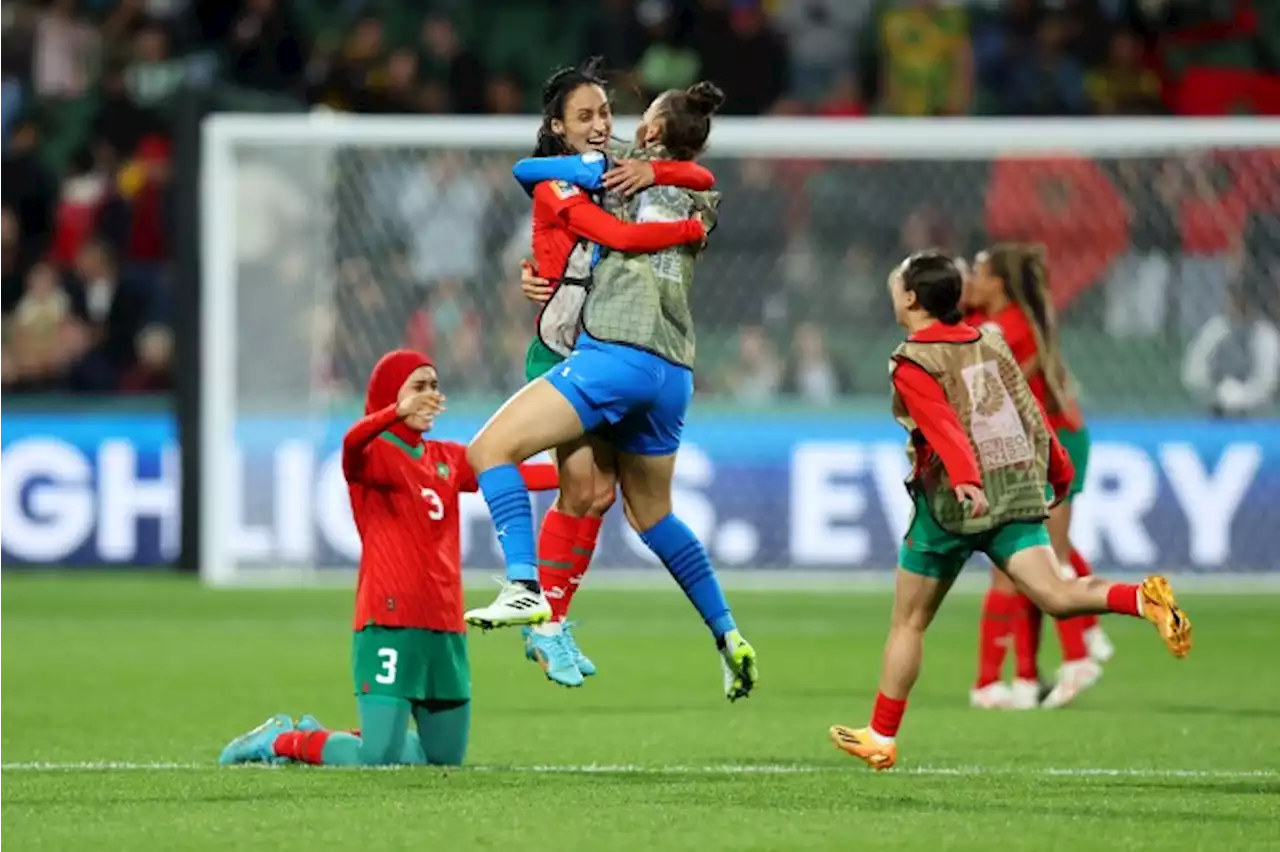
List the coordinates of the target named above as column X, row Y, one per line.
column 306, row 746
column 887, row 715
column 555, row 560
column 1122, row 598
column 999, row 611
column 1071, row 635
column 1083, row 569
column 583, row 549
column 1026, row 639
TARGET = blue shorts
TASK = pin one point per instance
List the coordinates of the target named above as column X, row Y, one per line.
column 633, row 399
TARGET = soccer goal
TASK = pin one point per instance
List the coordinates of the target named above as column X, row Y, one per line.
column 329, row 239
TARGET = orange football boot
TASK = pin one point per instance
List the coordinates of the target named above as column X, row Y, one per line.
column 865, row 746
column 1161, row 608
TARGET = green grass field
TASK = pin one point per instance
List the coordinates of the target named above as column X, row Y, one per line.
column 120, row 691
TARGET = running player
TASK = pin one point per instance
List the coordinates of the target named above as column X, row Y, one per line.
column 982, row 459
column 1009, row 292
column 631, row 376
column 568, row 228
column 409, row 650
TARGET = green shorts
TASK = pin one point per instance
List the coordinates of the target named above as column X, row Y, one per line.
column 931, row 551
column 539, row 359
column 1076, row 443
column 405, row 662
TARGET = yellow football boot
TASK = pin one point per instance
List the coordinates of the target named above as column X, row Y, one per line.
column 1161, row 608
column 866, row 746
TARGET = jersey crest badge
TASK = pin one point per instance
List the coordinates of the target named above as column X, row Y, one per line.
column 442, row 470
column 564, row 190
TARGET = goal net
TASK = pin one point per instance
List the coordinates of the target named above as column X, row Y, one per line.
column 328, row 240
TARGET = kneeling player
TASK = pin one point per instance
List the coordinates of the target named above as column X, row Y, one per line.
column 957, row 390
column 409, row 652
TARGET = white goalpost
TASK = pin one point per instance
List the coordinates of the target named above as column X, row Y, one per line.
column 327, row 239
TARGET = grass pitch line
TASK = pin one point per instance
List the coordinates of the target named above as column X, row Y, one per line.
column 721, row 769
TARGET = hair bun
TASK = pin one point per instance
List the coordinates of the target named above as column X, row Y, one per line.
column 705, row 97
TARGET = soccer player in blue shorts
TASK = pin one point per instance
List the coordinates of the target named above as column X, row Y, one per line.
column 630, row 379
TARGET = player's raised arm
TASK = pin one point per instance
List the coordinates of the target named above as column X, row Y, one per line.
column 358, row 464
column 585, row 219
column 584, row 170
column 631, row 176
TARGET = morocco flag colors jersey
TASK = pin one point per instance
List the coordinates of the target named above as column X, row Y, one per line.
column 404, row 496
column 1018, row 335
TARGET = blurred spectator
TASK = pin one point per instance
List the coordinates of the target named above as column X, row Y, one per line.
column 926, row 228
column 27, row 185
column 120, row 122
column 145, row 184
column 84, row 190
column 153, row 371
column 395, row 87
column 740, row 48
column 1208, row 199
column 1233, row 363
column 153, row 75
column 821, row 35
column 811, row 373
column 863, row 297
column 615, row 33
column 65, row 47
column 344, row 78
column 669, row 62
column 921, row 56
column 266, row 51
column 114, row 309
column 504, row 96
column 40, row 332
column 442, row 206
column 1050, row 81
column 1125, row 85
column 757, row 377
column 448, row 62
column 1137, row 287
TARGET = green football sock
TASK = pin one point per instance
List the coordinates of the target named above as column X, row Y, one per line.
column 444, row 727
column 383, row 740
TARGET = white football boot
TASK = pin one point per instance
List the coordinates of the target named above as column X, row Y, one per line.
column 1073, row 678
column 993, row 696
column 1024, row 694
column 514, row 606
column 1099, row 644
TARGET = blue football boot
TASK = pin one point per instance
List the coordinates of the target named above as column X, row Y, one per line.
column 546, row 646
column 307, row 722
column 257, row 745
column 583, row 662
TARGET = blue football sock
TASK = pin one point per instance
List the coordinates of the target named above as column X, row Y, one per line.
column 508, row 498
column 687, row 560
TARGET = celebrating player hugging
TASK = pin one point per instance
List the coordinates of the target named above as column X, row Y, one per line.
column 982, row 459
column 629, row 380
column 409, row 651
column 569, row 229
column 1010, row 291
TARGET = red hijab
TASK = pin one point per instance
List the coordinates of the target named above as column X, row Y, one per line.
column 388, row 377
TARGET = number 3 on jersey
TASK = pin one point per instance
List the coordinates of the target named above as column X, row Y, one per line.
column 389, row 656
column 435, row 506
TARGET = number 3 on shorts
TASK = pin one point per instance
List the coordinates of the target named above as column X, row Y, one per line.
column 388, row 673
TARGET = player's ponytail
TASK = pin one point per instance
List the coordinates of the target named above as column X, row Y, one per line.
column 686, row 118
column 1024, row 269
column 555, row 94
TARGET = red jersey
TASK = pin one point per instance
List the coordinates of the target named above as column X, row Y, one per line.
column 564, row 216
column 405, row 501
column 1021, row 340
column 938, row 424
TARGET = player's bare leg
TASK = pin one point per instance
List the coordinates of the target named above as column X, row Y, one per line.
column 535, row 419
column 646, row 492
column 916, row 599
column 1036, row 572
column 1079, row 671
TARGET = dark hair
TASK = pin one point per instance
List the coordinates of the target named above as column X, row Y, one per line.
column 934, row 278
column 1024, row 269
column 555, row 93
column 686, row 118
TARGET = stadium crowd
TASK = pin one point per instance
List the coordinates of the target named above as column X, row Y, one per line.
column 89, row 86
